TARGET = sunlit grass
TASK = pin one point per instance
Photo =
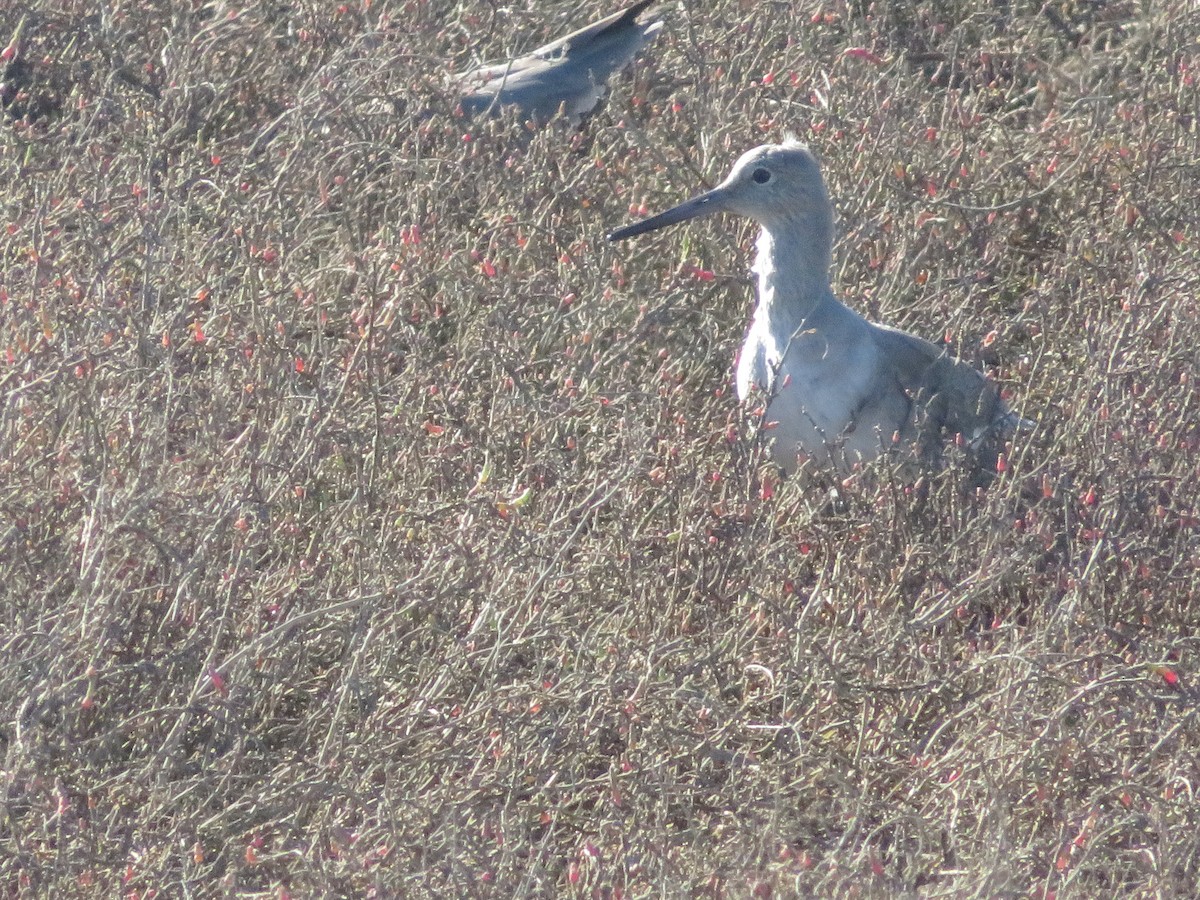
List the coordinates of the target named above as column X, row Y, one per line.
column 370, row 526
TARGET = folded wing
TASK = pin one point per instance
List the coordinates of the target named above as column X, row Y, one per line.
column 570, row 73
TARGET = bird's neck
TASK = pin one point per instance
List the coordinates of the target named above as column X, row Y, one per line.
column 792, row 266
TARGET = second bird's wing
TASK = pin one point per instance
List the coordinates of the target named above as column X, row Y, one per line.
column 572, row 70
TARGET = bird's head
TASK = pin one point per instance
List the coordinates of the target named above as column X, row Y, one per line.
column 777, row 185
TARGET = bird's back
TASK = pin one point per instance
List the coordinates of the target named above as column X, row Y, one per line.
column 932, row 397
column 610, row 42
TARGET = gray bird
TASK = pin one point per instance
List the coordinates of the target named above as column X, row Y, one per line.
column 570, row 73
column 838, row 389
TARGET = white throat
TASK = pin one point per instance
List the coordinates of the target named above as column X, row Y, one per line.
column 792, row 265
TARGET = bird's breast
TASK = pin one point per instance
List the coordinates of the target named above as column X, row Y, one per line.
column 815, row 385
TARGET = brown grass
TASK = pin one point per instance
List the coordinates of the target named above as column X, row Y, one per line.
column 370, row 527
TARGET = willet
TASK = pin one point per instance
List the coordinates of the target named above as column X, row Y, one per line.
column 838, row 389
column 570, row 73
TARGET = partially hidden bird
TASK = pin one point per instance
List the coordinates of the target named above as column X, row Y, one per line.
column 568, row 75
column 837, row 388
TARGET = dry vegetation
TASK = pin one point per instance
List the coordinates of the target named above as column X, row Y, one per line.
column 370, row 527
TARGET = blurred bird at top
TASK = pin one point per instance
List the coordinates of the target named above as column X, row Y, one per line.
column 569, row 74
column 837, row 388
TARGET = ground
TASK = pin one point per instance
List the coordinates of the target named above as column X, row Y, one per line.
column 369, row 526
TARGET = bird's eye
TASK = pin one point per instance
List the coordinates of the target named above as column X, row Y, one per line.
column 760, row 176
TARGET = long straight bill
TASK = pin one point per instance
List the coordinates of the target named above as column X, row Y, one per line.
column 688, row 209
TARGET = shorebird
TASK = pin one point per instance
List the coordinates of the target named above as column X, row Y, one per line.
column 569, row 74
column 838, row 388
